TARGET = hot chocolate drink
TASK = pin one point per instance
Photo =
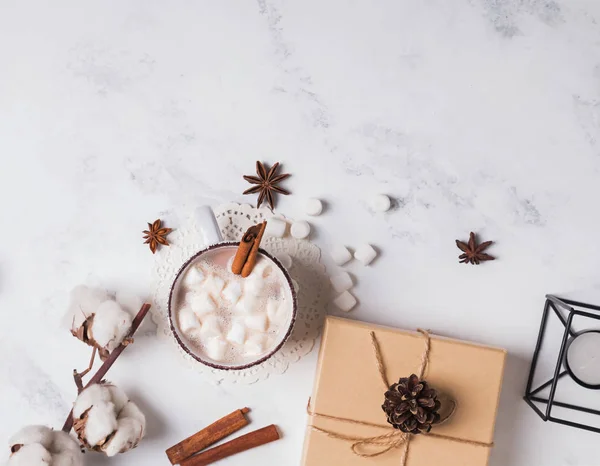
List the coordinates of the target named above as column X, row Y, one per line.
column 227, row 319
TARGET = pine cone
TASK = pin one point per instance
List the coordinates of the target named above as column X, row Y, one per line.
column 411, row 405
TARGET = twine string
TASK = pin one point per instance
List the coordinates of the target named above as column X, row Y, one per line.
column 393, row 439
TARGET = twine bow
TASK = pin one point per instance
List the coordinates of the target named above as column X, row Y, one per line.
column 393, row 439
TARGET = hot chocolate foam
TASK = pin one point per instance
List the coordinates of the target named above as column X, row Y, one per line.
column 229, row 319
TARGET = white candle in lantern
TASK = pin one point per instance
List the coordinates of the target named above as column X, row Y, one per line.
column 583, row 357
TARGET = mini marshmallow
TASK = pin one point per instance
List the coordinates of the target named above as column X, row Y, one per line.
column 247, row 304
column 253, row 285
column 340, row 254
column 232, row 291
column 262, row 269
column 313, row 207
column 345, row 301
column 276, row 227
column 210, row 326
column 194, row 277
column 341, row 282
column 300, row 230
column 276, row 311
column 214, row 285
column 295, row 285
column 187, row 320
column 286, row 260
column 365, row 254
column 215, row 348
column 237, row 333
column 202, row 303
column 255, row 345
column 257, row 322
column 380, row 203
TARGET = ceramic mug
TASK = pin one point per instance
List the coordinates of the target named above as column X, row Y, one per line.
column 212, row 236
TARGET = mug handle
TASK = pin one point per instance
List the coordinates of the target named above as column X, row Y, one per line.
column 208, row 223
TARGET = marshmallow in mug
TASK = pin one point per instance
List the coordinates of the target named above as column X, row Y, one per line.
column 230, row 319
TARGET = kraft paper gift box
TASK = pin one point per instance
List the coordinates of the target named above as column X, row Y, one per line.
column 349, row 386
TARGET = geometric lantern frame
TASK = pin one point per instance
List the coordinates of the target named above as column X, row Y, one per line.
column 565, row 310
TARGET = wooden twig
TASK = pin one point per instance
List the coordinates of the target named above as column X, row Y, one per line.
column 99, row 375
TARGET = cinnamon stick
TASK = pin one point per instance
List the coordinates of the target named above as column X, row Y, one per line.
column 244, row 249
column 209, row 435
column 245, row 442
column 251, row 260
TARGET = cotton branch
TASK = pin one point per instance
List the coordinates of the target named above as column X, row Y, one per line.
column 99, row 375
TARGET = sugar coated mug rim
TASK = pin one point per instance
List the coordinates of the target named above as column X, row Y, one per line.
column 175, row 330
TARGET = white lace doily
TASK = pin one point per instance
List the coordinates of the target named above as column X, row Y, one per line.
column 307, row 271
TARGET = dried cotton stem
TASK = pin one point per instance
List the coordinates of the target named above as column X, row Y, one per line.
column 99, row 375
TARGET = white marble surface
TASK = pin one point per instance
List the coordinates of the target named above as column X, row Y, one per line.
column 475, row 114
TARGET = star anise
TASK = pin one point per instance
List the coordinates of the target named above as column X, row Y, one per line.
column 266, row 184
column 473, row 252
column 156, row 235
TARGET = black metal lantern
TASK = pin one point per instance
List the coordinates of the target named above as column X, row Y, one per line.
column 571, row 358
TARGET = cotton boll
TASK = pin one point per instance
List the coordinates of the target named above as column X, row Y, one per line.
column 124, row 438
column 187, row 320
column 101, row 422
column 237, row 333
column 83, row 303
column 194, row 277
column 68, row 459
column 32, row 434
column 210, row 327
column 111, row 325
column 257, row 322
column 117, row 396
column 132, row 411
column 130, row 302
column 215, row 348
column 202, row 303
column 63, row 443
column 131, row 425
column 31, row 455
column 65, row 450
column 233, row 291
column 95, row 393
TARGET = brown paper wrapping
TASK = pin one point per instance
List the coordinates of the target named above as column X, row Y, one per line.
column 348, row 385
